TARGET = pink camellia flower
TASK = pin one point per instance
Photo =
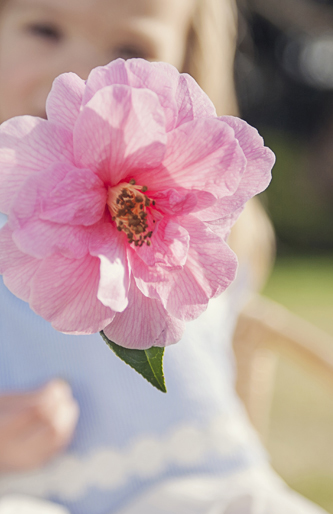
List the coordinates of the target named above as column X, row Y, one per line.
column 120, row 202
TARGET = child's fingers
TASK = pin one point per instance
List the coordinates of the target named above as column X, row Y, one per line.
column 55, row 388
column 38, row 428
column 43, row 441
column 46, row 404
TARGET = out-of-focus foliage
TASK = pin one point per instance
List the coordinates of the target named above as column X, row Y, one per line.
column 284, row 78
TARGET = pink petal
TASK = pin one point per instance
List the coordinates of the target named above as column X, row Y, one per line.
column 64, row 292
column 179, row 202
column 161, row 78
column 192, row 102
column 61, row 251
column 179, row 95
column 144, row 323
column 176, row 201
column 64, row 101
column 102, row 76
column 221, row 226
column 113, row 284
column 256, row 177
column 62, row 194
column 169, row 246
column 120, row 128
column 260, row 159
column 26, row 204
column 209, row 270
column 211, row 262
column 152, row 280
column 202, row 155
column 139, row 74
column 109, row 246
column 17, row 268
column 78, row 199
column 40, row 238
column 27, row 146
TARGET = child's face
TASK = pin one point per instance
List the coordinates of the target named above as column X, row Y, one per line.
column 39, row 39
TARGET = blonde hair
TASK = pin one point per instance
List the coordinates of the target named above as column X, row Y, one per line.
column 211, row 48
column 210, row 60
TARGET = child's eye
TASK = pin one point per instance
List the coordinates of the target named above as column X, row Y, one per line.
column 130, row 52
column 45, row 31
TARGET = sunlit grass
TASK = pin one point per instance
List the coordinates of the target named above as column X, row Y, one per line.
column 302, row 411
column 304, row 284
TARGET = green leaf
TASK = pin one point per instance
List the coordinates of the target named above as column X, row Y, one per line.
column 149, row 363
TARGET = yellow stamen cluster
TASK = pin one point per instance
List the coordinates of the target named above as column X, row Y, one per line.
column 128, row 207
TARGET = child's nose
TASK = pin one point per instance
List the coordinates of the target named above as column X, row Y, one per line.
column 82, row 58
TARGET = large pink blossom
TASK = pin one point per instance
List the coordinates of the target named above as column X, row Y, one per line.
column 120, row 202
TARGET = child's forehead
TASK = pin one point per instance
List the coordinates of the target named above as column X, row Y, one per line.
column 113, row 8
column 156, row 29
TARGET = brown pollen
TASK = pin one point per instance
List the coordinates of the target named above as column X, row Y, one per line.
column 128, row 207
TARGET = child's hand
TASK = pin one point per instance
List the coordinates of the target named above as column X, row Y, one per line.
column 35, row 426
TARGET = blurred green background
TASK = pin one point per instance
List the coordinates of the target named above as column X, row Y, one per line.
column 284, row 80
column 301, row 422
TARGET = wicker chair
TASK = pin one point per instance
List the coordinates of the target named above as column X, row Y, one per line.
column 265, row 329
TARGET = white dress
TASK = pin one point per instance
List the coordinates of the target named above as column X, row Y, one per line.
column 137, row 450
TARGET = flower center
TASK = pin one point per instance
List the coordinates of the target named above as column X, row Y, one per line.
column 130, row 209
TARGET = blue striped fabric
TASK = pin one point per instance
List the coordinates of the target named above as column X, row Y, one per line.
column 129, row 435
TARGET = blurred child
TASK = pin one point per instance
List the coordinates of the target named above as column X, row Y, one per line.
column 134, row 450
